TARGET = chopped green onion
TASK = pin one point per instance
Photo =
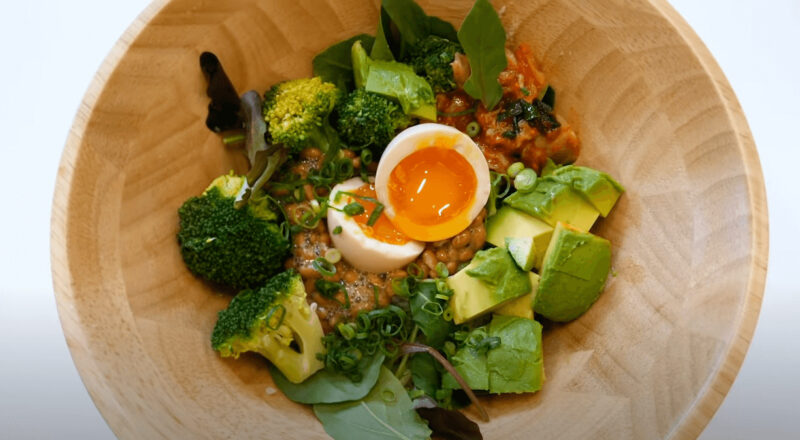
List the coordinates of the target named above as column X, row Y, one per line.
column 376, row 292
column 515, row 168
column 324, row 266
column 314, row 205
column 414, row 271
column 416, row 393
column 473, row 129
column 441, row 270
column 434, row 308
column 337, row 230
column 525, row 180
column 448, row 314
column 366, row 156
column 441, row 287
column 525, row 91
column 333, row 255
column 353, row 208
column 449, row 348
column 376, row 213
column 347, row 331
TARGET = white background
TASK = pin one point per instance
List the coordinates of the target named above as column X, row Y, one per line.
column 50, row 51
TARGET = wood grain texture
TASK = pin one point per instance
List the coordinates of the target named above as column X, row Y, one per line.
column 652, row 359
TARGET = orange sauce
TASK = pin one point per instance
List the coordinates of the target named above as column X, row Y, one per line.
column 383, row 229
column 432, row 191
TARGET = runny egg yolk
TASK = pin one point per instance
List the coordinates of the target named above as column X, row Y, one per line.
column 383, row 229
column 431, row 191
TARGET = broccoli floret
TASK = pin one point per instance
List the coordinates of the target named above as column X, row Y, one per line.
column 239, row 248
column 368, row 120
column 297, row 113
column 431, row 58
column 272, row 321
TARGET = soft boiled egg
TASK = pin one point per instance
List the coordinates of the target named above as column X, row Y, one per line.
column 376, row 247
column 433, row 180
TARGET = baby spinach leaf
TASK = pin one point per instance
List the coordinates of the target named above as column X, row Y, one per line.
column 483, row 38
column 450, row 424
column 410, row 19
column 381, row 50
column 427, row 313
column 385, row 413
column 442, row 28
column 328, row 387
column 495, row 267
column 335, row 65
column 424, row 373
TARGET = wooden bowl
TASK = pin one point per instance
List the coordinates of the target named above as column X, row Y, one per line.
column 652, row 359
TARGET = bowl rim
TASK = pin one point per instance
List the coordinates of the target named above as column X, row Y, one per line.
column 709, row 397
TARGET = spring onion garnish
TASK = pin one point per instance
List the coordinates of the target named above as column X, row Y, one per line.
column 414, row 271
column 333, row 255
column 366, row 156
column 525, row 180
column 441, row 270
column 271, row 313
column 515, row 168
column 337, row 230
column 376, row 213
column 353, row 208
column 473, row 129
column 323, row 266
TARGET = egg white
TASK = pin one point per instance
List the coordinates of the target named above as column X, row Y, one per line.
column 426, row 135
column 364, row 252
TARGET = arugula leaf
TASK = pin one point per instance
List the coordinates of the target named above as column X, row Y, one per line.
column 426, row 311
column 335, row 65
column 385, row 413
column 483, row 38
column 424, row 373
column 327, row 387
column 450, row 424
column 381, row 50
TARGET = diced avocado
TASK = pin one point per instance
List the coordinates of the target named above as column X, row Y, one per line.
column 554, row 201
column 515, row 366
column 575, row 269
column 522, row 250
column 509, row 222
column 489, row 281
column 522, row 306
column 597, row 187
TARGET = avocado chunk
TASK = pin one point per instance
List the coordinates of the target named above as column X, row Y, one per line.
column 554, row 201
column 522, row 250
column 509, row 222
column 515, row 366
column 522, row 306
column 575, row 269
column 489, row 281
column 596, row 187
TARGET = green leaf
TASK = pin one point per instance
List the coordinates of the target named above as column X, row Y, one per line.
column 424, row 373
column 483, row 38
column 385, row 413
column 381, row 49
column 410, row 19
column 424, row 311
column 442, row 28
column 516, row 365
column 327, row 387
column 335, row 65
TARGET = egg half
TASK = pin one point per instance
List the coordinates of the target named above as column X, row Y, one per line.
column 433, row 181
column 379, row 247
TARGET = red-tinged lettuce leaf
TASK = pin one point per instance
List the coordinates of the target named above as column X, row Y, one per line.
column 223, row 110
column 450, row 424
